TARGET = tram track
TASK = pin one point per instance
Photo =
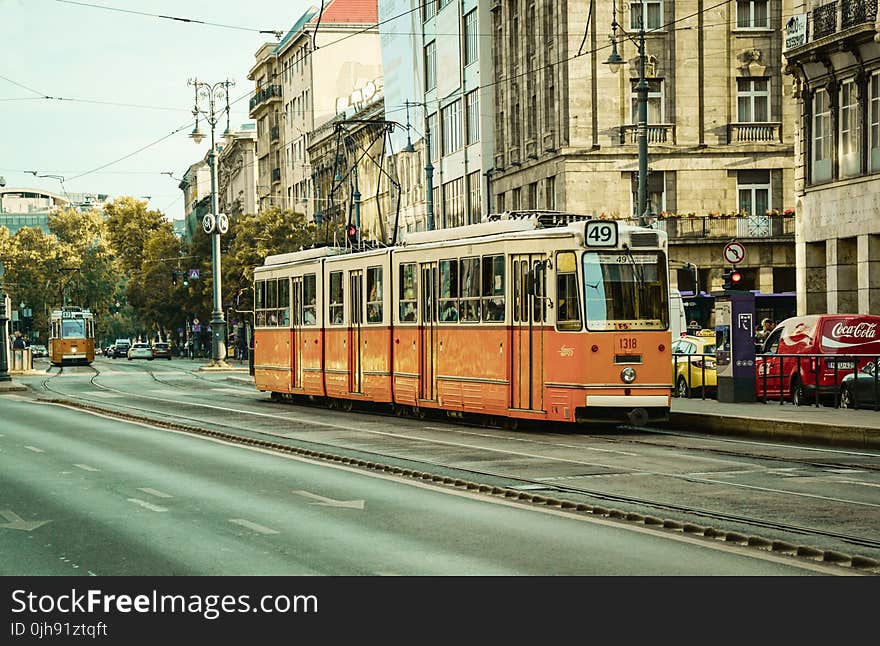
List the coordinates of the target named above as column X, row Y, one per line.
column 572, row 498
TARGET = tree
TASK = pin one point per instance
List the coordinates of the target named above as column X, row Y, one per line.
column 129, row 226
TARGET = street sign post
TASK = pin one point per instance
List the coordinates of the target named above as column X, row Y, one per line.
column 734, row 252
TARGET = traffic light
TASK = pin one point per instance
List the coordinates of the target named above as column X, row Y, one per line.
column 185, row 279
column 173, row 277
column 352, row 233
column 732, row 279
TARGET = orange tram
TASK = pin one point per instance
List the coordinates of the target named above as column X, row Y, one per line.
column 71, row 336
column 524, row 316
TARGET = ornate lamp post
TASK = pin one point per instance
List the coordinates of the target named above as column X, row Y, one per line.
column 644, row 212
column 205, row 93
column 429, row 167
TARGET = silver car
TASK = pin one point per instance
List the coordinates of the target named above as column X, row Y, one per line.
column 140, row 351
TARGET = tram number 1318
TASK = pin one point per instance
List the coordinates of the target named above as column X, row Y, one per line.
column 600, row 233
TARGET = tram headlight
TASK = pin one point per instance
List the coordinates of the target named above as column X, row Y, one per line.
column 628, row 375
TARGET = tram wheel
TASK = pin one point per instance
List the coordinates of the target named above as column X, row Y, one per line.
column 511, row 423
column 419, row 413
column 399, row 411
column 345, row 405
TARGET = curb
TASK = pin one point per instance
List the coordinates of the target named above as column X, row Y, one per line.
column 860, row 437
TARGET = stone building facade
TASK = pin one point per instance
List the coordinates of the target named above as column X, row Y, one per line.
column 834, row 60
column 720, row 118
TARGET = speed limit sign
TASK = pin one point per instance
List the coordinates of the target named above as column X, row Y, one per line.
column 734, row 252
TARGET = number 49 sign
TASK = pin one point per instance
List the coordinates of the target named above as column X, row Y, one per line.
column 600, row 233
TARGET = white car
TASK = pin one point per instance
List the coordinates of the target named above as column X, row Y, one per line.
column 140, row 351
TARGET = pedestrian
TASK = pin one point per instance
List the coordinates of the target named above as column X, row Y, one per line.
column 764, row 331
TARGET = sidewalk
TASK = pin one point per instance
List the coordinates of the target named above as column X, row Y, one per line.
column 772, row 420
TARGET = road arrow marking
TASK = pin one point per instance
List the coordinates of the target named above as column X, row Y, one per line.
column 329, row 502
column 34, row 449
column 147, row 505
column 17, row 522
column 155, row 492
column 257, row 528
column 86, row 467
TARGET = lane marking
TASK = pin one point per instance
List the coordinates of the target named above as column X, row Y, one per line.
column 857, row 482
column 249, row 525
column 34, row 449
column 155, row 492
column 86, row 467
column 146, row 505
column 330, row 502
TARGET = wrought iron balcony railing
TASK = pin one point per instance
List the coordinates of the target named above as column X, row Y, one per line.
column 264, row 94
column 658, row 133
column 685, row 228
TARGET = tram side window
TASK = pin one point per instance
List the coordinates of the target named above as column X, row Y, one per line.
column 493, row 288
column 259, row 303
column 408, row 292
column 283, row 312
column 336, row 296
column 449, row 291
column 374, row 291
column 469, row 271
column 539, row 302
column 568, row 314
column 309, row 292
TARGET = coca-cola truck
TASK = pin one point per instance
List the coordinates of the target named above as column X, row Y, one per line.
column 808, row 356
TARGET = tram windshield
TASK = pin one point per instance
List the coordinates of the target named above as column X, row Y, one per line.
column 626, row 290
column 73, row 329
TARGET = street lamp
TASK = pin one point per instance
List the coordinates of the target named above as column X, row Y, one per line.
column 429, row 167
column 212, row 94
column 643, row 207
column 4, row 343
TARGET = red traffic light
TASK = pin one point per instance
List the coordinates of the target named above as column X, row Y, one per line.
column 735, row 277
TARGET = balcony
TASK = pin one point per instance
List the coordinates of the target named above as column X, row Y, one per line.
column 276, row 175
column 265, row 94
column 755, row 132
column 827, row 20
column 695, row 228
column 658, row 133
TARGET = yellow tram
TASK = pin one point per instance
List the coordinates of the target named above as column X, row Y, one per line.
column 72, row 336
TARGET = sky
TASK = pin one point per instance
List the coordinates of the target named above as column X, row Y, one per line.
column 74, row 49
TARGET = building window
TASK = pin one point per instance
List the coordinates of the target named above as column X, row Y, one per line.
column 451, row 127
column 752, row 100
column 646, row 12
column 516, row 199
column 752, row 14
column 428, row 10
column 550, row 193
column 532, row 196
column 753, row 190
column 453, row 202
column 656, row 192
column 475, row 200
column 850, row 132
column 875, row 121
column 471, row 38
column 431, row 65
column 821, row 151
column 655, row 100
column 472, row 103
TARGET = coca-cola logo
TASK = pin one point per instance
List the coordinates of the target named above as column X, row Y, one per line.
column 862, row 330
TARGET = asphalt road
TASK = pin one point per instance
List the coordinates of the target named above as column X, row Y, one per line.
column 85, row 494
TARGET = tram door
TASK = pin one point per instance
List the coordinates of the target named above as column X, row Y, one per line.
column 428, row 332
column 296, row 360
column 355, row 343
column 527, row 346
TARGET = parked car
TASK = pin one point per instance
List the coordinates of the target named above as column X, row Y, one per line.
column 806, row 357
column 691, row 370
column 120, row 348
column 38, row 350
column 140, row 351
column 162, row 351
column 861, row 389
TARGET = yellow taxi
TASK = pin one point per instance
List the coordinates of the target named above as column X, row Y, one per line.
column 693, row 363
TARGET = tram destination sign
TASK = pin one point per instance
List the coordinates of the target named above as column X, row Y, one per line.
column 600, row 233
